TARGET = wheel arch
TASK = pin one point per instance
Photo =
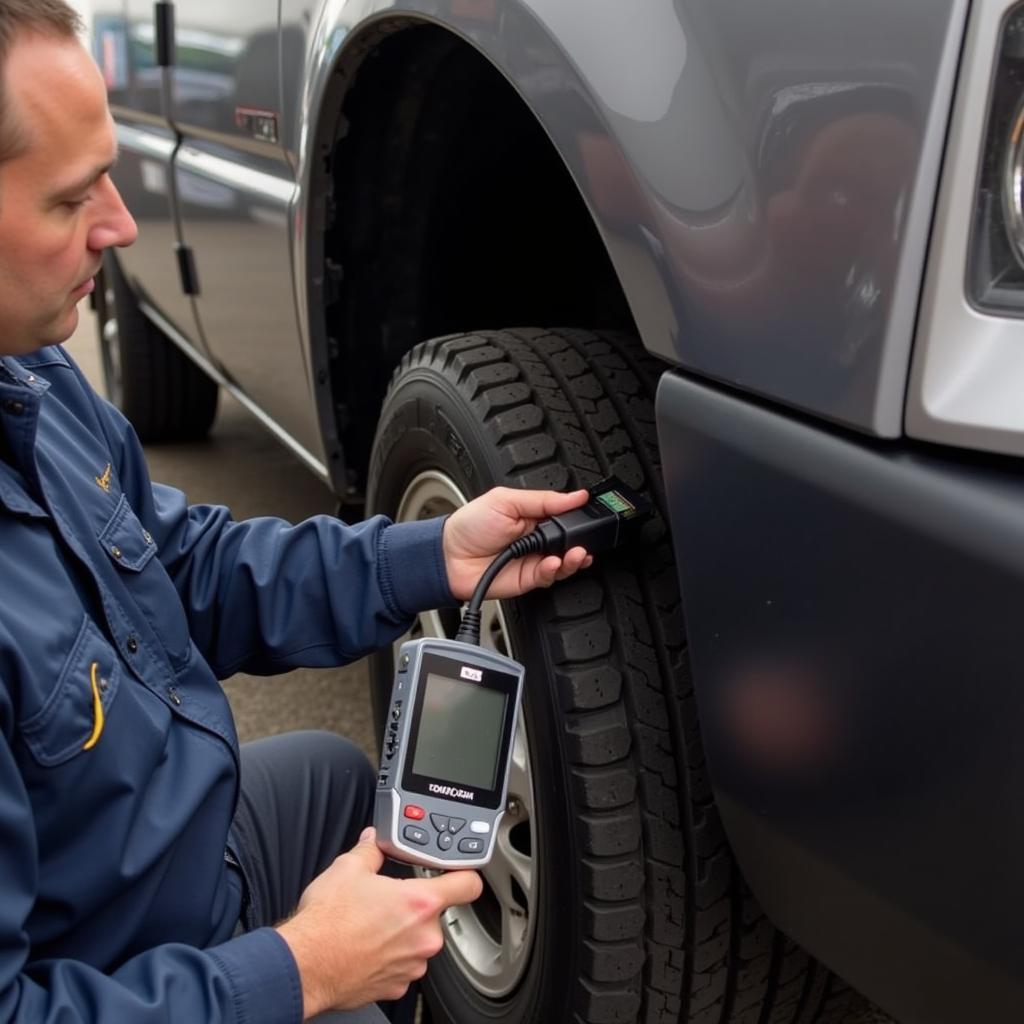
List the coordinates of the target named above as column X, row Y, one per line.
column 415, row 227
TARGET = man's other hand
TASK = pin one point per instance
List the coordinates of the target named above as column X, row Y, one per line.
column 359, row 937
column 479, row 531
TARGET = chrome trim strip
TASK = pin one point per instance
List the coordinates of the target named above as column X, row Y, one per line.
column 139, row 140
column 278, row 190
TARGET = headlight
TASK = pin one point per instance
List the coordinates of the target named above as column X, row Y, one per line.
column 1013, row 178
column 968, row 363
column 996, row 276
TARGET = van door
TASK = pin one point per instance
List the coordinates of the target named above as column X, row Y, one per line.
column 124, row 45
column 236, row 189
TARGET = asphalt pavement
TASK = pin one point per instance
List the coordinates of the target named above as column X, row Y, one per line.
column 243, row 467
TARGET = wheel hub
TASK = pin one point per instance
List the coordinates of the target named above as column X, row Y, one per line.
column 490, row 940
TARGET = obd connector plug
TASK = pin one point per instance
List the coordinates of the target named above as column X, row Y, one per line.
column 612, row 516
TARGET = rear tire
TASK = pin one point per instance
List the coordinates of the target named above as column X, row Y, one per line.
column 163, row 393
column 636, row 909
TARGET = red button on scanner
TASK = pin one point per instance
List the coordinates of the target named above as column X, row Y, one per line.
column 414, row 812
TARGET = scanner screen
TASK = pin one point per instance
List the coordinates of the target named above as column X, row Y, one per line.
column 460, row 731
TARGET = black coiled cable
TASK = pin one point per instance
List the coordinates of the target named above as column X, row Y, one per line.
column 469, row 630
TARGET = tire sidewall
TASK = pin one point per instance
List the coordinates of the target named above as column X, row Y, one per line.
column 426, row 424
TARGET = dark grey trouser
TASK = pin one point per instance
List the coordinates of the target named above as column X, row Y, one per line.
column 305, row 798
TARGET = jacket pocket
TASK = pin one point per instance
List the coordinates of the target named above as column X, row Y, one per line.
column 131, row 547
column 73, row 718
column 126, row 541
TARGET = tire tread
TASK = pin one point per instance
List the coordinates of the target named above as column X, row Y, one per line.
column 675, row 935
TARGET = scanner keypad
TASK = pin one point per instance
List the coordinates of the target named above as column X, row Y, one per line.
column 442, row 831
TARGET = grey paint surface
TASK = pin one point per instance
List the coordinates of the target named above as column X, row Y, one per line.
column 853, row 613
column 763, row 176
column 767, row 172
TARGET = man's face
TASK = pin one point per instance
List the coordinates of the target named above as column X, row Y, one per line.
column 59, row 209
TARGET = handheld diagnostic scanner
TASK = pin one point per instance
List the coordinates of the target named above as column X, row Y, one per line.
column 443, row 778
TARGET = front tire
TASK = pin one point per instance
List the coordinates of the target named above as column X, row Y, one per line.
column 634, row 908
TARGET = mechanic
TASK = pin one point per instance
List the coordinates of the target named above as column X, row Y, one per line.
column 150, row 870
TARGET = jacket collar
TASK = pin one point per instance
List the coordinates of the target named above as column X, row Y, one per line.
column 22, row 384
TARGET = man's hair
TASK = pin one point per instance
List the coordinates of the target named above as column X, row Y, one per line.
column 17, row 18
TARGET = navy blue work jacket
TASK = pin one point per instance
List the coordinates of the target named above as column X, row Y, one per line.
column 120, row 607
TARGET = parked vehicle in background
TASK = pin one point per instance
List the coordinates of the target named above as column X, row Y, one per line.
column 765, row 262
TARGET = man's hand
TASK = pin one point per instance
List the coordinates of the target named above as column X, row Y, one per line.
column 359, row 937
column 479, row 531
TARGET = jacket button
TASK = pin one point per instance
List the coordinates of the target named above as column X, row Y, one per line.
column 14, row 407
column 132, row 644
column 115, row 550
column 147, row 536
